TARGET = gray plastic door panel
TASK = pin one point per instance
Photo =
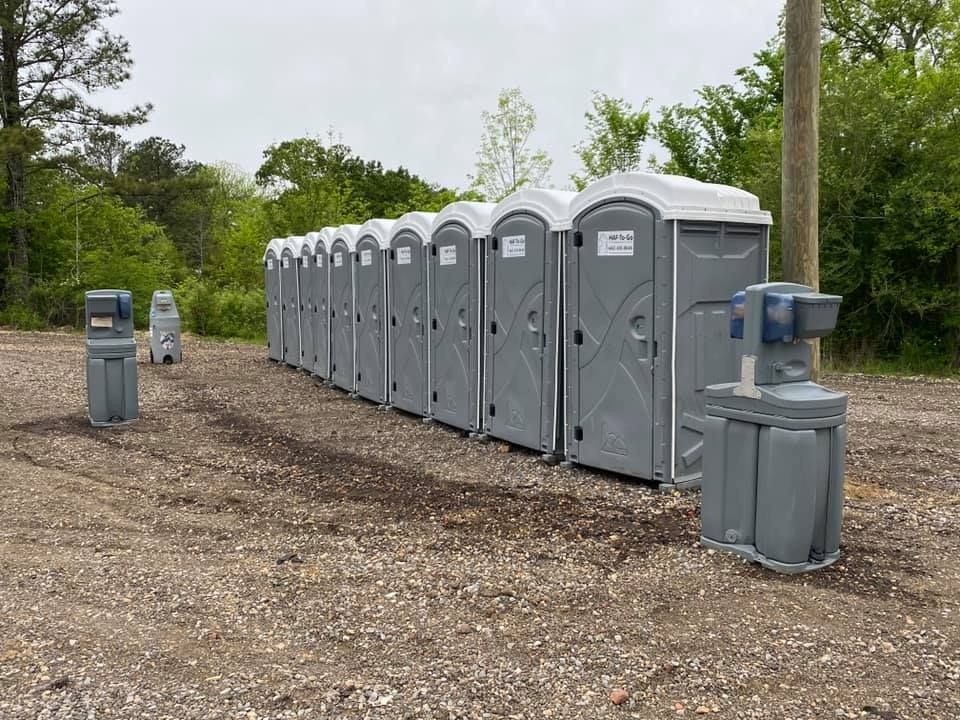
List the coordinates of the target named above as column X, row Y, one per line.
column 271, row 277
column 321, row 313
column 515, row 327
column 452, row 359
column 291, row 309
column 371, row 325
column 408, row 365
column 305, row 275
column 341, row 316
column 714, row 261
column 613, row 412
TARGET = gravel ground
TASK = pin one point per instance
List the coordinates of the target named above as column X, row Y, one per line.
column 258, row 546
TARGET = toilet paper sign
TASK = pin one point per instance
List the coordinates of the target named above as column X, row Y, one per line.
column 615, row 243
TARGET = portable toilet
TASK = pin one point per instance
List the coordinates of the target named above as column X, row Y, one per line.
column 305, row 280
column 271, row 284
column 455, row 282
column 342, row 304
column 523, row 312
column 321, row 302
column 165, row 341
column 408, row 334
column 651, row 264
column 290, row 286
column 373, row 242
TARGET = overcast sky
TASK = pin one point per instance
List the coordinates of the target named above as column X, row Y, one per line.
column 405, row 81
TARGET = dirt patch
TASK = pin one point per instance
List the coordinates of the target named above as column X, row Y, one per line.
column 260, row 546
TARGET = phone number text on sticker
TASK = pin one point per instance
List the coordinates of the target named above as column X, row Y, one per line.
column 366, row 257
column 615, row 243
column 448, row 255
column 403, row 256
column 338, row 259
column 514, row 246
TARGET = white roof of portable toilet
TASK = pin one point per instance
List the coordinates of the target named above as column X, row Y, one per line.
column 379, row 230
column 293, row 244
column 310, row 240
column 676, row 198
column 475, row 216
column 326, row 235
column 420, row 223
column 552, row 205
column 347, row 233
column 276, row 244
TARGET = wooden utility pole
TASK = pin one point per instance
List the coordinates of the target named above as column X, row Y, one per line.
column 801, row 134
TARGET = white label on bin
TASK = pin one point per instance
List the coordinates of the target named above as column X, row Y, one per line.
column 286, row 262
column 514, row 246
column 319, row 260
column 615, row 243
column 270, row 264
column 366, row 257
column 403, row 256
column 101, row 321
column 448, row 255
column 337, row 259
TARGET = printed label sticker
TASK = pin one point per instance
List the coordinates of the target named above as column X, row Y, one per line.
column 286, row 263
column 337, row 259
column 403, row 256
column 514, row 246
column 615, row 243
column 366, row 257
column 270, row 264
column 319, row 260
column 448, row 255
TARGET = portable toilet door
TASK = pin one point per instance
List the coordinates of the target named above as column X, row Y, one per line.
column 652, row 263
column 305, row 278
column 290, row 285
column 373, row 241
column 321, row 302
column 271, row 284
column 407, row 286
column 455, row 278
column 523, row 333
column 342, row 304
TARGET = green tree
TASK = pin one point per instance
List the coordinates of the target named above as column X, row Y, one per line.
column 616, row 136
column 505, row 162
column 54, row 54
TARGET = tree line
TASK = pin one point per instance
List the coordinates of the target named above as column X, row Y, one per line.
column 83, row 207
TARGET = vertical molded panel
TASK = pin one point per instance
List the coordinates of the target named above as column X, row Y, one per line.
column 613, row 402
column 305, row 278
column 729, row 482
column 342, row 316
column 786, row 494
column 271, row 276
column 291, row 309
column 321, row 313
column 453, row 308
column 714, row 261
column 834, row 514
column 371, row 307
column 514, row 354
column 408, row 370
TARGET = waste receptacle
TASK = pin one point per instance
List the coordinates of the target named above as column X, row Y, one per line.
column 164, row 329
column 774, row 442
column 111, row 358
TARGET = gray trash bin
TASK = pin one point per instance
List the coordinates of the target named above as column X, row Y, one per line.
column 111, row 358
column 164, row 329
column 774, row 442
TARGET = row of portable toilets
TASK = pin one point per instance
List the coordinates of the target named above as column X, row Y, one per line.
column 585, row 326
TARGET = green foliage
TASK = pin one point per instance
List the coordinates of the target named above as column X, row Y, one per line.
column 889, row 171
column 616, row 137
column 505, row 163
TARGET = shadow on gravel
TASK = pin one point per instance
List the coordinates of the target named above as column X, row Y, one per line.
column 481, row 512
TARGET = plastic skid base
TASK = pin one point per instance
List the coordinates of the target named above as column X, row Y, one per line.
column 111, row 423
column 749, row 552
